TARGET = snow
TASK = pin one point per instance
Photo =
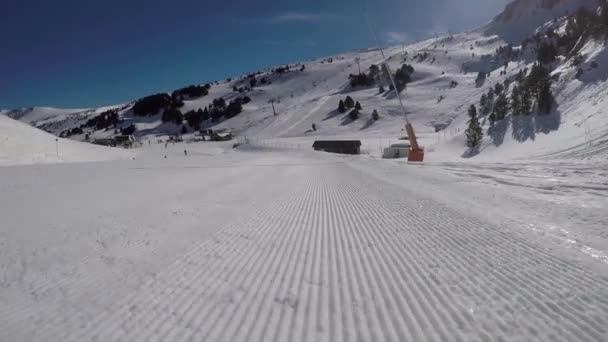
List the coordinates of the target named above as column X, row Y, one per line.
column 23, row 144
column 272, row 241
column 284, row 245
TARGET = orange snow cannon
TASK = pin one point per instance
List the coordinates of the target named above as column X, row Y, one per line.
column 416, row 153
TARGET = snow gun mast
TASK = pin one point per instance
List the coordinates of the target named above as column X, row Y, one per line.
column 416, row 153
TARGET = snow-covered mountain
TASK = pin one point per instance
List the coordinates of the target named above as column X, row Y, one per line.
column 520, row 18
column 443, row 86
column 524, row 9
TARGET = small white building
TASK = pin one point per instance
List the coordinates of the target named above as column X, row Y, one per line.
column 396, row 151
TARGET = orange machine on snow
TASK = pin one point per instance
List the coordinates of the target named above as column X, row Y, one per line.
column 416, row 153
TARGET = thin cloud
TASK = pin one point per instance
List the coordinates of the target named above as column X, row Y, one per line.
column 301, row 17
column 397, row 37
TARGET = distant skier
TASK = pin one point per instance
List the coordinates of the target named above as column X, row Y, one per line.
column 314, row 127
column 185, row 153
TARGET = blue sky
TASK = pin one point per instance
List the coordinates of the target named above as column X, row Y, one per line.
column 86, row 53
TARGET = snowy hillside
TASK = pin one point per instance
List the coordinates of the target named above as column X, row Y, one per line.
column 522, row 17
column 443, row 86
column 22, row 144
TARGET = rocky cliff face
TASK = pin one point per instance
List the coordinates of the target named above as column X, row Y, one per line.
column 521, row 17
column 519, row 8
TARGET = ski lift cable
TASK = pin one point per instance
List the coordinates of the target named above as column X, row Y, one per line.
column 390, row 73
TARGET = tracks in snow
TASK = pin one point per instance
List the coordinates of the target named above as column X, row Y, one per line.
column 348, row 258
column 320, row 102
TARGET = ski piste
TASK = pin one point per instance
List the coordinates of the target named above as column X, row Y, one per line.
column 263, row 239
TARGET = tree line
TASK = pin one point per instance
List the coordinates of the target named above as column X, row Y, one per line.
column 192, row 91
column 153, row 104
column 217, row 110
column 530, row 93
column 402, row 77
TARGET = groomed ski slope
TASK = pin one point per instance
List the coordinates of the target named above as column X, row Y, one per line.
column 257, row 245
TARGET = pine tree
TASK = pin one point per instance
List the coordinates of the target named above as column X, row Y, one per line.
column 374, row 71
column 481, row 78
column 488, row 102
column 125, row 131
column 194, row 119
column 538, row 83
column 473, row 132
column 546, row 53
column 349, row 102
column 525, row 101
column 341, row 107
column 375, row 115
column 501, row 107
column 172, row 114
column 516, row 100
column 544, row 98
column 498, row 88
column 520, row 76
column 403, row 77
column 483, row 101
column 534, row 79
column 358, row 106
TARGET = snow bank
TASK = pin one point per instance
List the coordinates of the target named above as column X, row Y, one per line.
column 22, row 144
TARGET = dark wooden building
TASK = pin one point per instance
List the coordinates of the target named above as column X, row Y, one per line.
column 338, row 146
